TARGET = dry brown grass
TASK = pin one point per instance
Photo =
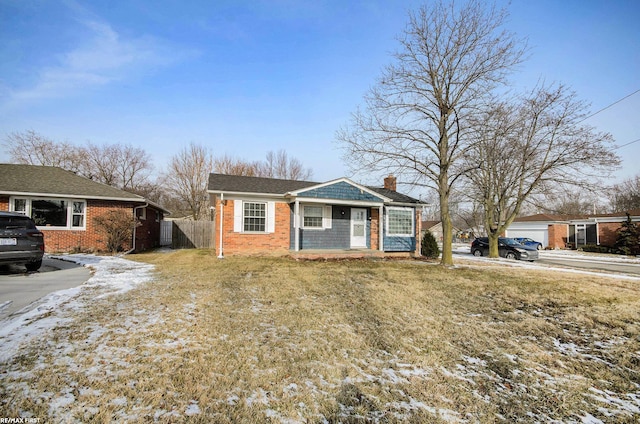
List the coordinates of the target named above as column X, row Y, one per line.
column 275, row 340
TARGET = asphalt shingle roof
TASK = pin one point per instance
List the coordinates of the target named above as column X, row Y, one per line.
column 242, row 184
column 50, row 180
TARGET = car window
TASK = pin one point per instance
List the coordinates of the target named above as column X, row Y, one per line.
column 12, row 223
column 510, row 242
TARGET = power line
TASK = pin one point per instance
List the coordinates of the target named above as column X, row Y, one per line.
column 631, row 142
column 612, row 104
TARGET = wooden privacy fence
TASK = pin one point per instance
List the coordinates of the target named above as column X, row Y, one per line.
column 190, row 234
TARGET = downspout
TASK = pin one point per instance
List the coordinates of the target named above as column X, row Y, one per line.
column 296, row 225
column 221, row 255
column 381, row 228
column 133, row 242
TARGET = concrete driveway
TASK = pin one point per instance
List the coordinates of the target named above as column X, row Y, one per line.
column 19, row 289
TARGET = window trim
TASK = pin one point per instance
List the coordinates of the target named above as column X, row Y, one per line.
column 387, row 219
column 266, row 212
column 322, row 218
column 69, row 209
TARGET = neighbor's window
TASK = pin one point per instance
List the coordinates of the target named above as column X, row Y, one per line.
column 400, row 222
column 20, row 206
column 77, row 217
column 49, row 212
column 53, row 213
column 255, row 217
column 312, row 217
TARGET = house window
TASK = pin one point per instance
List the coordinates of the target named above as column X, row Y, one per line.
column 49, row 212
column 312, row 217
column 141, row 213
column 20, row 206
column 255, row 217
column 400, row 222
column 78, row 214
column 52, row 213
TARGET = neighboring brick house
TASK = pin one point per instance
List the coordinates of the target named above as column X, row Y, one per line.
column 571, row 231
column 265, row 215
column 64, row 206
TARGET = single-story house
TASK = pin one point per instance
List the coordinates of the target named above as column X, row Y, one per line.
column 64, row 206
column 571, row 231
column 257, row 215
column 435, row 228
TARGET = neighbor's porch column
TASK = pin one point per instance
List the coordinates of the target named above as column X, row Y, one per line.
column 381, row 228
column 296, row 225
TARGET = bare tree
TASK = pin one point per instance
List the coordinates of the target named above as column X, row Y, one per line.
column 122, row 166
column 530, row 147
column 280, row 165
column 625, row 196
column 187, row 178
column 276, row 165
column 234, row 166
column 125, row 167
column 415, row 123
column 32, row 148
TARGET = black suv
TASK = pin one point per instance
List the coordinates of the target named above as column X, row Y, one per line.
column 21, row 243
column 507, row 248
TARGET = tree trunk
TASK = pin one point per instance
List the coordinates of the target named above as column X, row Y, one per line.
column 445, row 217
column 493, row 244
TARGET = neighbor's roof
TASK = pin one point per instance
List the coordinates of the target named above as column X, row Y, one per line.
column 429, row 224
column 541, row 217
column 37, row 180
column 259, row 185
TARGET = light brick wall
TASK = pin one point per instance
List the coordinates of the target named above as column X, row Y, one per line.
column 557, row 236
column 252, row 243
column 608, row 232
column 375, row 229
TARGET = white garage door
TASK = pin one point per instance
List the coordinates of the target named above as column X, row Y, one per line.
column 537, row 234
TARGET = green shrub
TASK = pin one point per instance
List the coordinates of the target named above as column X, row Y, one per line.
column 595, row 248
column 429, row 246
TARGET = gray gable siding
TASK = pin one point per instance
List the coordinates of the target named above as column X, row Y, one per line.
column 336, row 237
column 341, row 191
column 399, row 244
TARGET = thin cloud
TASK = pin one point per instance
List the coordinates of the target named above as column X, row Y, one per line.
column 102, row 57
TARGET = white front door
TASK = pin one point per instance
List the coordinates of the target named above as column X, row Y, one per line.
column 358, row 227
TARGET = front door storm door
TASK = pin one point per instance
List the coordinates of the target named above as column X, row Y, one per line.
column 358, row 228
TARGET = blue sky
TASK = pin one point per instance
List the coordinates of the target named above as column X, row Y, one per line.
column 247, row 77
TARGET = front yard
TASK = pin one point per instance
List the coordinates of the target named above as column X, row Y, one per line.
column 276, row 340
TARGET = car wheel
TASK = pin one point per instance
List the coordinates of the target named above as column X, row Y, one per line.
column 539, row 247
column 510, row 255
column 33, row 266
column 477, row 252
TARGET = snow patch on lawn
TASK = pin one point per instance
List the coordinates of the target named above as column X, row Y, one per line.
column 111, row 275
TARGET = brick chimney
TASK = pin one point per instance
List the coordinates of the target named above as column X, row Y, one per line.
column 390, row 182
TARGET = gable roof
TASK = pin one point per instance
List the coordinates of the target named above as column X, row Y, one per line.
column 243, row 184
column 35, row 180
column 219, row 183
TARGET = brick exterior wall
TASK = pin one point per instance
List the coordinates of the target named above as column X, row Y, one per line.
column 148, row 234
column 252, row 243
column 608, row 231
column 557, row 236
column 375, row 229
column 90, row 239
